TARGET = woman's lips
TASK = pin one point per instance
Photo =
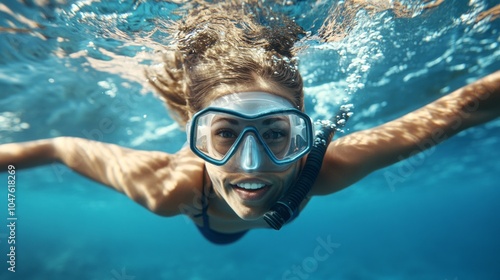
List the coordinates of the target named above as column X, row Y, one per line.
column 251, row 185
column 251, row 191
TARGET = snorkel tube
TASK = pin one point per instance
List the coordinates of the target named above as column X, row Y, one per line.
column 281, row 212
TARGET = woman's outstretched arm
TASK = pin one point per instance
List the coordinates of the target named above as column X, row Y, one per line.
column 157, row 180
column 27, row 154
column 354, row 156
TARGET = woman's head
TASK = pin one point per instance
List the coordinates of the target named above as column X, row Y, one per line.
column 222, row 49
column 252, row 143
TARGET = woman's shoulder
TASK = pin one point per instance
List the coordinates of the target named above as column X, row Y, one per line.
column 172, row 183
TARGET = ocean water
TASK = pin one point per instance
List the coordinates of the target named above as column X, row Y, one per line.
column 75, row 68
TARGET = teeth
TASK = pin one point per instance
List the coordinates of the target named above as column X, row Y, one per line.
column 251, row 186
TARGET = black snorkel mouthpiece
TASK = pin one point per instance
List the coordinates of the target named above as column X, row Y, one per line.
column 285, row 208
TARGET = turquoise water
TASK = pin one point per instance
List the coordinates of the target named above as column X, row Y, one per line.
column 75, row 68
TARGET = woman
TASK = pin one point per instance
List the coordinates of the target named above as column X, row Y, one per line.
column 236, row 87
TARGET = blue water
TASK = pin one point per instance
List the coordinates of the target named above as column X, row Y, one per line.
column 83, row 68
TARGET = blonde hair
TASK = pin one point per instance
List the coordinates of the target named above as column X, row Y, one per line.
column 224, row 45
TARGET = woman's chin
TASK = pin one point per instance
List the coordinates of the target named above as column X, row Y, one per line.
column 251, row 205
column 249, row 213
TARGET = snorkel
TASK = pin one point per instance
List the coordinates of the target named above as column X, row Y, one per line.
column 281, row 212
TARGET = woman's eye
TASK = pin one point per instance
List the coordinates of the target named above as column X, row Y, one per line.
column 273, row 135
column 226, row 134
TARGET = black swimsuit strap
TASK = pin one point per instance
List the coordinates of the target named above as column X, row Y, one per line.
column 204, row 204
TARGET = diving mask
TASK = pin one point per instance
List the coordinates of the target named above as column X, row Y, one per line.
column 250, row 131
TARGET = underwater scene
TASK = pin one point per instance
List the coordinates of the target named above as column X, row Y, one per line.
column 76, row 68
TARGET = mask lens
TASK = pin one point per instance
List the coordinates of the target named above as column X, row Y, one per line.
column 275, row 131
column 224, row 131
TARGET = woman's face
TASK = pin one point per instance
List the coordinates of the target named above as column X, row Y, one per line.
column 251, row 194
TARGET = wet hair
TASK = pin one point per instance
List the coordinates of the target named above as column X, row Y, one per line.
column 224, row 45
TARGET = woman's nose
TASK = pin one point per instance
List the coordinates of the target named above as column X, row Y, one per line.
column 250, row 155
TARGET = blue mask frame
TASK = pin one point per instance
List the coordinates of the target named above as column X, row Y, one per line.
column 191, row 134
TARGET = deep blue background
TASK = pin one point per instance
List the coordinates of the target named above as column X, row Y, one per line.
column 439, row 222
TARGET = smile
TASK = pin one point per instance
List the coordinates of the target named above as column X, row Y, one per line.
column 251, row 186
column 251, row 191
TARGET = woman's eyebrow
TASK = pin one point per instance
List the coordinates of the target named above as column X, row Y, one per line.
column 229, row 120
column 233, row 121
column 273, row 120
